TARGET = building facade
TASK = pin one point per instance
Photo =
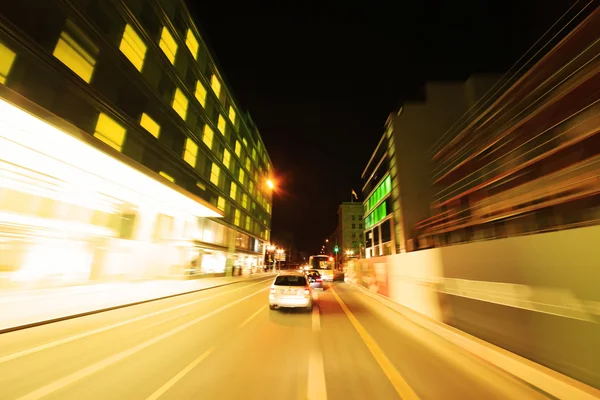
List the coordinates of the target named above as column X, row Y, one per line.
column 349, row 232
column 529, row 162
column 133, row 80
column 397, row 179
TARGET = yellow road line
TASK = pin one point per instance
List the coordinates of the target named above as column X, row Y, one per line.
column 402, row 388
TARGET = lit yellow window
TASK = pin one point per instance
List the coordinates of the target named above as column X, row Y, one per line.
column 221, row 203
column 254, row 154
column 248, row 166
column 237, row 217
column 238, row 149
column 251, row 188
column 245, row 200
column 233, row 191
column 241, row 176
column 166, row 176
column 110, row 132
column 215, row 173
column 207, row 137
column 201, row 185
column 180, row 103
column 245, row 142
column 191, row 152
column 150, row 125
column 191, row 43
column 267, row 234
column 70, row 53
column 221, row 124
column 133, row 47
column 232, row 115
column 168, row 44
column 226, row 158
column 215, row 84
column 268, row 208
column 201, row 93
column 7, row 57
column 248, row 222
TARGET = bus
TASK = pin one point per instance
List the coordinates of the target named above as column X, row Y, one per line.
column 323, row 264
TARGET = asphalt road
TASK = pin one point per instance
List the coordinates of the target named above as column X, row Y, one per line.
column 225, row 343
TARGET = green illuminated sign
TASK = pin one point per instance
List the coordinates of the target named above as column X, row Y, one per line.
column 336, row 249
column 383, row 189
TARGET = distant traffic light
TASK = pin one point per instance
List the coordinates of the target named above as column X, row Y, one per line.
column 336, row 249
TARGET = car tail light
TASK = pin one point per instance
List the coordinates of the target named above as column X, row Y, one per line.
column 306, row 292
column 319, row 279
column 272, row 290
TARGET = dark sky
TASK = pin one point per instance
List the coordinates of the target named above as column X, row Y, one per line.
column 320, row 81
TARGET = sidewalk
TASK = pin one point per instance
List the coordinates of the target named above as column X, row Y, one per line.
column 30, row 307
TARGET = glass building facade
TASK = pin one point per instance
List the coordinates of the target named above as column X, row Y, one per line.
column 133, row 80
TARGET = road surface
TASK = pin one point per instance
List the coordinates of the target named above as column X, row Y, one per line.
column 225, row 343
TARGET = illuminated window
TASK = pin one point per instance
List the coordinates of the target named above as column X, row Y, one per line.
column 110, row 132
column 168, row 44
column 215, row 84
column 245, row 142
column 221, row 203
column 180, row 103
column 191, row 152
column 150, row 125
column 7, row 57
column 236, row 219
column 207, row 137
column 254, row 154
column 248, row 222
column 72, row 54
column 241, row 176
column 201, row 93
column 201, row 185
column 221, row 124
column 238, row 149
column 232, row 115
column 233, row 191
column 133, row 47
column 191, row 43
column 215, row 173
column 169, row 177
column 245, row 200
column 226, row 158
column 268, row 208
column 251, row 188
column 248, row 166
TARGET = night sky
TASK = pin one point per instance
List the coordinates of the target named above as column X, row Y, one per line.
column 320, row 81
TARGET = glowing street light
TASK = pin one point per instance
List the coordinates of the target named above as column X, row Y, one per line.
column 270, row 184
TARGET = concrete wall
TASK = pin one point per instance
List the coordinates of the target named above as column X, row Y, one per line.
column 537, row 296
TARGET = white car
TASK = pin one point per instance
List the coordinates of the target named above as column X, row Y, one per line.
column 291, row 290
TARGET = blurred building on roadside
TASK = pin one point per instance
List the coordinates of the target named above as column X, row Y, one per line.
column 123, row 151
column 397, row 179
column 529, row 161
column 349, row 232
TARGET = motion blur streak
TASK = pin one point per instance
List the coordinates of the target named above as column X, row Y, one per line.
column 113, row 326
column 61, row 383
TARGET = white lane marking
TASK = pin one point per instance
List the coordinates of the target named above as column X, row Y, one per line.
column 251, row 317
column 46, row 346
column 74, row 377
column 171, row 382
column 316, row 376
column 316, row 319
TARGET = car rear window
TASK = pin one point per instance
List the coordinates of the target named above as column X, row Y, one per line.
column 290, row 280
column 314, row 274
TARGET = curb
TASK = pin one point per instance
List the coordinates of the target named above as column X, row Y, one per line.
column 543, row 378
column 101, row 310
